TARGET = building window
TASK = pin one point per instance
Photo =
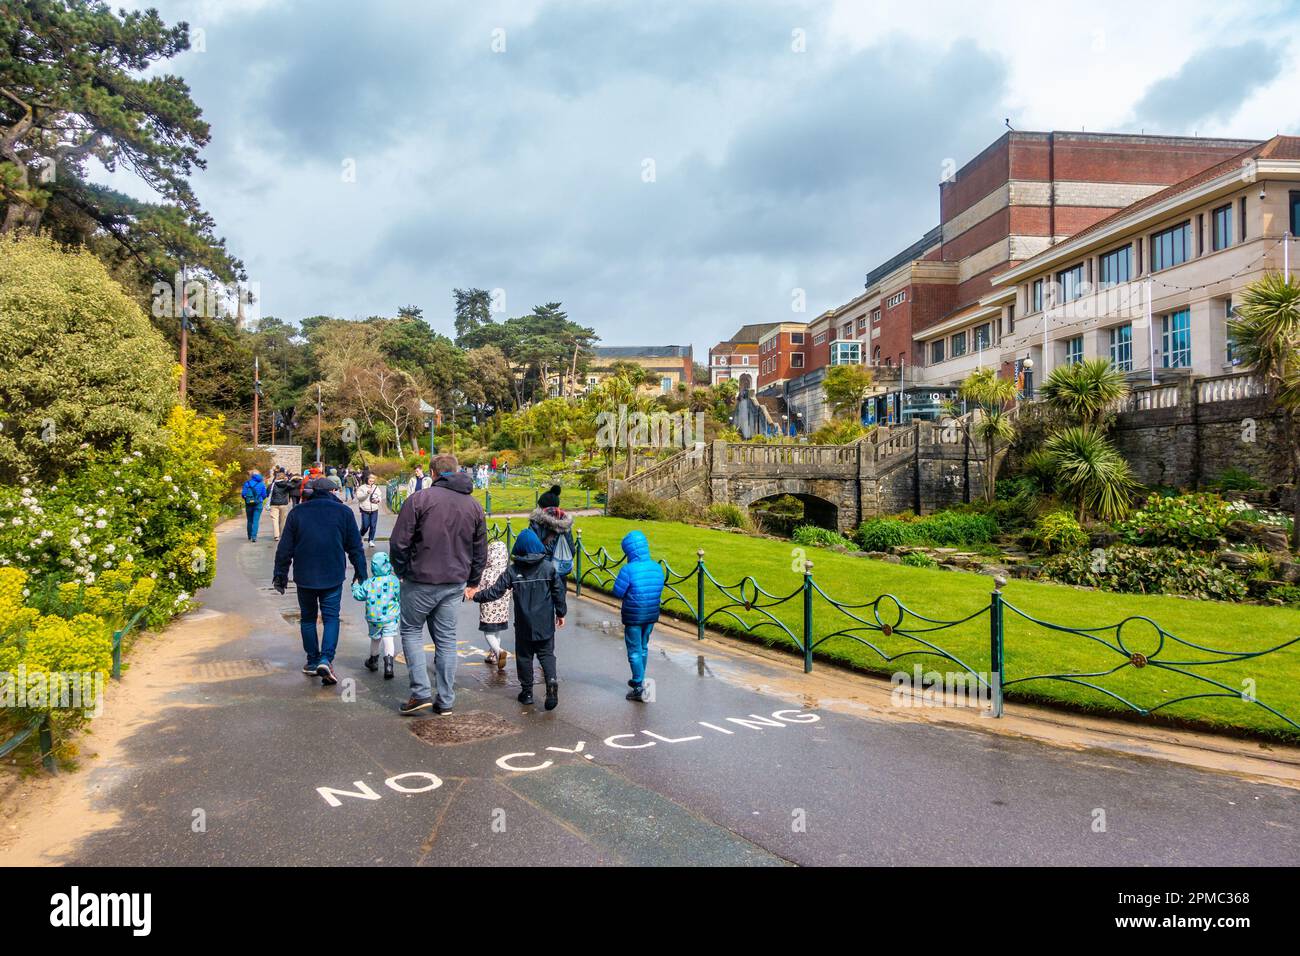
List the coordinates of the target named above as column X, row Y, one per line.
column 819, row 338
column 1116, row 267
column 983, row 336
column 1011, row 319
column 1169, row 247
column 1295, row 214
column 875, row 356
column 1121, row 347
column 1221, row 223
column 898, row 298
column 744, row 360
column 959, row 344
column 936, row 352
column 796, row 360
column 875, row 316
column 862, row 326
column 1071, row 281
column 846, row 353
column 1243, row 219
column 796, row 338
column 846, row 331
column 1036, row 296
column 1074, row 350
column 1176, row 339
column 1230, row 343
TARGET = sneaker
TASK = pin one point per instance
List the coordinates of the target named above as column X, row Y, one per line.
column 631, row 683
column 525, row 697
column 309, row 669
column 491, row 658
column 326, row 673
column 372, row 662
column 636, row 693
column 552, row 694
column 501, row 660
column 388, row 667
column 414, row 706
column 441, row 709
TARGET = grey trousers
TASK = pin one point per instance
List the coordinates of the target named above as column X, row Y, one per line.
column 437, row 606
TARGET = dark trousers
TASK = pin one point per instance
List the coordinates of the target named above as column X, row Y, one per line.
column 369, row 522
column 525, row 648
column 322, row 603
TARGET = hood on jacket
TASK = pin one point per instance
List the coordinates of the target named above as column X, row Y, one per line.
column 255, row 480
column 456, row 481
column 497, row 553
column 552, row 519
column 381, row 565
column 635, row 546
column 528, row 544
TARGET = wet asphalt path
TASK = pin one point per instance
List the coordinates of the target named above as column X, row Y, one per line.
column 716, row 771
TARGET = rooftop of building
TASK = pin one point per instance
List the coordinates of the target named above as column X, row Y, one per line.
column 751, row 333
column 914, row 251
column 641, row 351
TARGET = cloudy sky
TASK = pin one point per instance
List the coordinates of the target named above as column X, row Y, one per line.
column 667, row 170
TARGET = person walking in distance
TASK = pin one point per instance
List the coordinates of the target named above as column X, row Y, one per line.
column 439, row 547
column 369, row 497
column 254, row 493
column 319, row 539
column 278, row 501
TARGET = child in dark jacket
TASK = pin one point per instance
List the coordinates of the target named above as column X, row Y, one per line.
column 540, row 608
column 640, row 585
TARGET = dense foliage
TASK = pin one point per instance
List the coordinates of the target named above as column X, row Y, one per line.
column 1133, row 570
column 1188, row 521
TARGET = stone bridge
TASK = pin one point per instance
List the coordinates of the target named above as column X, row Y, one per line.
column 921, row 467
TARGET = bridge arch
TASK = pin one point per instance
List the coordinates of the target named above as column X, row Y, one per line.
column 822, row 505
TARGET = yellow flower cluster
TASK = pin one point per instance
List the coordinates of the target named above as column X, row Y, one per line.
column 50, row 643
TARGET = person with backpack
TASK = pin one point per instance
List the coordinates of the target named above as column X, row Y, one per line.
column 254, row 493
column 278, row 503
column 540, row 608
column 369, row 497
column 555, row 530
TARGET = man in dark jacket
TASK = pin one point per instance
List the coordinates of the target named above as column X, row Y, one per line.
column 438, row 546
column 319, row 539
column 540, row 608
column 278, row 502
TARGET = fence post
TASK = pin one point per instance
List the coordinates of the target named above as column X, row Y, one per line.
column 46, row 737
column 117, row 655
column 807, row 617
column 487, row 498
column 995, row 645
column 577, row 562
column 510, row 538
column 699, row 594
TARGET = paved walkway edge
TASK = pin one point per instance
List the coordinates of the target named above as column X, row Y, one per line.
column 863, row 695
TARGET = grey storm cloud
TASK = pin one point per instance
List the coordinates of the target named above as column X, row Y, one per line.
column 1211, row 85
column 525, row 170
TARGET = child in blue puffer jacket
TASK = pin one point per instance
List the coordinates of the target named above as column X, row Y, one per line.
column 640, row 584
column 382, row 592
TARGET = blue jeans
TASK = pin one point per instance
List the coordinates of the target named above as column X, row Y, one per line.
column 254, row 515
column 637, row 639
column 435, row 605
column 369, row 522
column 320, row 650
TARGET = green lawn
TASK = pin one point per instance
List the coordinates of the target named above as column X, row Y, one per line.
column 522, row 498
column 1030, row 648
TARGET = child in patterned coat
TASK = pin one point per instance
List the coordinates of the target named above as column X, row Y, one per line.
column 382, row 594
column 495, row 617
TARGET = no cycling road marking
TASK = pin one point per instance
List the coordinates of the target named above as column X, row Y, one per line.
column 422, row 781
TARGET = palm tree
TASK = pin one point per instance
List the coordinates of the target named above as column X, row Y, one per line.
column 1088, row 471
column 1085, row 391
column 1266, row 332
column 990, row 394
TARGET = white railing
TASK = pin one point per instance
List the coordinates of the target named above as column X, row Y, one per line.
column 1228, row 388
column 1148, row 399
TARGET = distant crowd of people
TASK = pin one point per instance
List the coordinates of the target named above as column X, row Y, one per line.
column 438, row 557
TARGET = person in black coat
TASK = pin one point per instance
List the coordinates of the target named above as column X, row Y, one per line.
column 318, row 540
column 540, row 608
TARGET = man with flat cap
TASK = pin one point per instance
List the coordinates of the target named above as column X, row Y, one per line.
column 318, row 540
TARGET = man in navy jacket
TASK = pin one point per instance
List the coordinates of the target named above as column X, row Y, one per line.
column 319, row 539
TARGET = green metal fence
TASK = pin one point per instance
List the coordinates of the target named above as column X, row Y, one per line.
column 697, row 595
